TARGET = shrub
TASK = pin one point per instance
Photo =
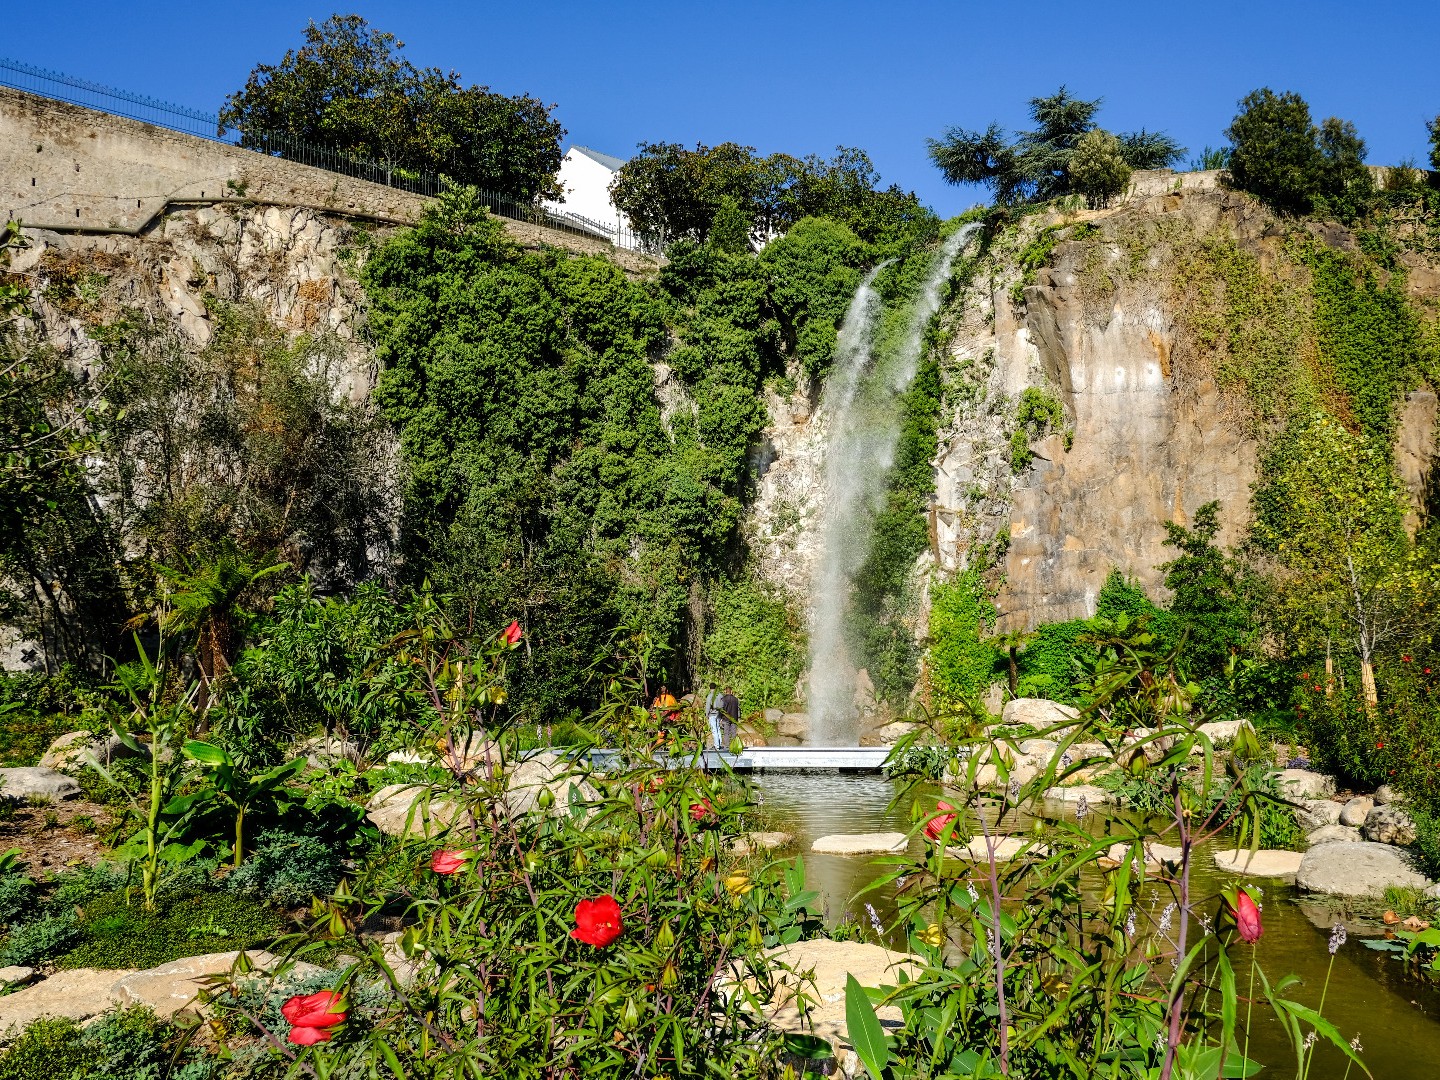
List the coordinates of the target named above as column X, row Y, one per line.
column 287, row 870
column 124, row 1044
column 1098, row 169
column 1037, row 414
column 755, row 644
column 119, row 933
column 962, row 660
column 40, row 940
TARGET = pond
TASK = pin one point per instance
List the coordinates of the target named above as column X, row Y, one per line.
column 1396, row 1015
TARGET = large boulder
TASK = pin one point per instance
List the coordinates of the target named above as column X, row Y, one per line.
column 1304, row 784
column 325, row 751
column 167, row 989
column 415, row 810
column 41, row 785
column 1265, row 863
column 885, row 843
column 1363, row 869
column 1334, row 834
column 1386, row 794
column 1040, row 714
column 1222, row 731
column 76, row 750
column 545, row 772
column 77, row 995
column 1354, row 812
column 888, row 734
column 794, row 725
column 1312, row 814
column 1389, row 824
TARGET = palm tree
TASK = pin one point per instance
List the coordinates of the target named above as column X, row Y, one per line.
column 207, row 602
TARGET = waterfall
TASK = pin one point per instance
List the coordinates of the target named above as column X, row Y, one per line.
column 862, row 406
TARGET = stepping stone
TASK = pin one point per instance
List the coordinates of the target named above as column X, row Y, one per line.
column 77, row 995
column 753, row 842
column 1265, row 863
column 1157, row 856
column 885, row 843
column 1095, row 796
column 1363, row 869
column 1334, row 834
column 819, row 969
column 174, row 986
column 1006, row 848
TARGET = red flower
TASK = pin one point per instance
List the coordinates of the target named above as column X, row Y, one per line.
column 312, row 1016
column 598, row 922
column 935, row 827
column 1379, row 746
column 702, row 810
column 1247, row 918
column 1304, row 674
column 1427, row 671
column 1405, row 659
column 446, row 861
column 511, row 634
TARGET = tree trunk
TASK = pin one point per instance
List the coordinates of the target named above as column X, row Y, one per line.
column 1014, row 673
column 1367, row 682
column 1329, row 671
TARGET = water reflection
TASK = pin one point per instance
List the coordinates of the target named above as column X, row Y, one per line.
column 1370, row 993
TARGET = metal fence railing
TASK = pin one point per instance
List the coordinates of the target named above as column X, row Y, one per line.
column 61, row 87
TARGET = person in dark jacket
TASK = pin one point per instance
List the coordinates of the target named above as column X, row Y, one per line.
column 729, row 716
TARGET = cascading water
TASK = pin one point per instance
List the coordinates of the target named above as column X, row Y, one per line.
column 861, row 402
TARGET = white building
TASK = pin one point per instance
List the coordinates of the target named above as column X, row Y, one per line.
column 585, row 177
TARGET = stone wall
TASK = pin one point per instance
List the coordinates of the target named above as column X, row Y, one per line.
column 68, row 168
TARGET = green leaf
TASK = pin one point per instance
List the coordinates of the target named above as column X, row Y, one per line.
column 206, row 753
column 864, row 1029
column 811, row 1047
column 1324, row 1027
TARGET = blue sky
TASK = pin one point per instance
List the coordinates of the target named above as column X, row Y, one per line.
column 806, row 76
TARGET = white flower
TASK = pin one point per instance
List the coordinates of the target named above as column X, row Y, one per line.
column 1082, row 808
column 1337, row 937
column 970, row 888
column 1166, row 916
column 1355, row 1045
column 1130, row 924
column 1310, row 1040
column 875, row 920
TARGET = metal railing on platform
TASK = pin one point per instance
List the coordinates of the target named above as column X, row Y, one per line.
column 58, row 86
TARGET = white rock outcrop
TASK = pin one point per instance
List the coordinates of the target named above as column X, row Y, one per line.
column 1363, row 869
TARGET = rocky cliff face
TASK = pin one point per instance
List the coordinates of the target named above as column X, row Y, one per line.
column 1148, row 434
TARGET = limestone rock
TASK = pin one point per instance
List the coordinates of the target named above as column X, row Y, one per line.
column 76, row 749
column 1218, row 731
column 78, row 995
column 885, row 843
column 1040, row 714
column 1265, row 863
column 1093, row 796
column 545, row 772
column 796, row 725
column 1363, row 869
column 1005, row 848
column 47, row 785
column 1389, row 824
column 887, row 734
column 752, row 843
column 1354, row 812
column 405, row 757
column 819, row 968
column 1039, row 751
column 1157, row 857
column 174, row 986
column 773, row 716
column 1334, row 834
column 1312, row 814
column 323, row 751
column 410, row 809
column 1304, row 784
column 1385, row 794
column 16, row 975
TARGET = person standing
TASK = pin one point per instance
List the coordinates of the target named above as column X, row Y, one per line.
column 729, row 715
column 712, row 714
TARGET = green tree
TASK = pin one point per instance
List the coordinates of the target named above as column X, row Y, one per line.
column 1213, row 596
column 1274, row 151
column 207, row 602
column 1098, row 169
column 1433, row 127
column 730, row 231
column 349, row 88
column 1345, row 182
column 1036, row 165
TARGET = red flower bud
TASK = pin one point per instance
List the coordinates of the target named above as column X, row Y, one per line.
column 511, row 634
column 1247, row 918
column 312, row 1016
column 935, row 827
column 446, row 861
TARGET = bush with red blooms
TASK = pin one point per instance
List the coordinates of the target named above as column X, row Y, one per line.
column 592, row 935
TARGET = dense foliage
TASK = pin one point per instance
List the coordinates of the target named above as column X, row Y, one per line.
column 670, row 193
column 349, row 89
column 1036, row 165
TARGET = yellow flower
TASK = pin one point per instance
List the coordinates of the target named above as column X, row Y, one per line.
column 738, row 883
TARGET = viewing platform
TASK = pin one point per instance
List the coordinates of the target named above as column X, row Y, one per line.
column 850, row 759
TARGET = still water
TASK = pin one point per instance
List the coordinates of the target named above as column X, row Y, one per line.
column 1396, row 1015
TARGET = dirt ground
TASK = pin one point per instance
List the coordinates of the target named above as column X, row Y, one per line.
column 55, row 836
